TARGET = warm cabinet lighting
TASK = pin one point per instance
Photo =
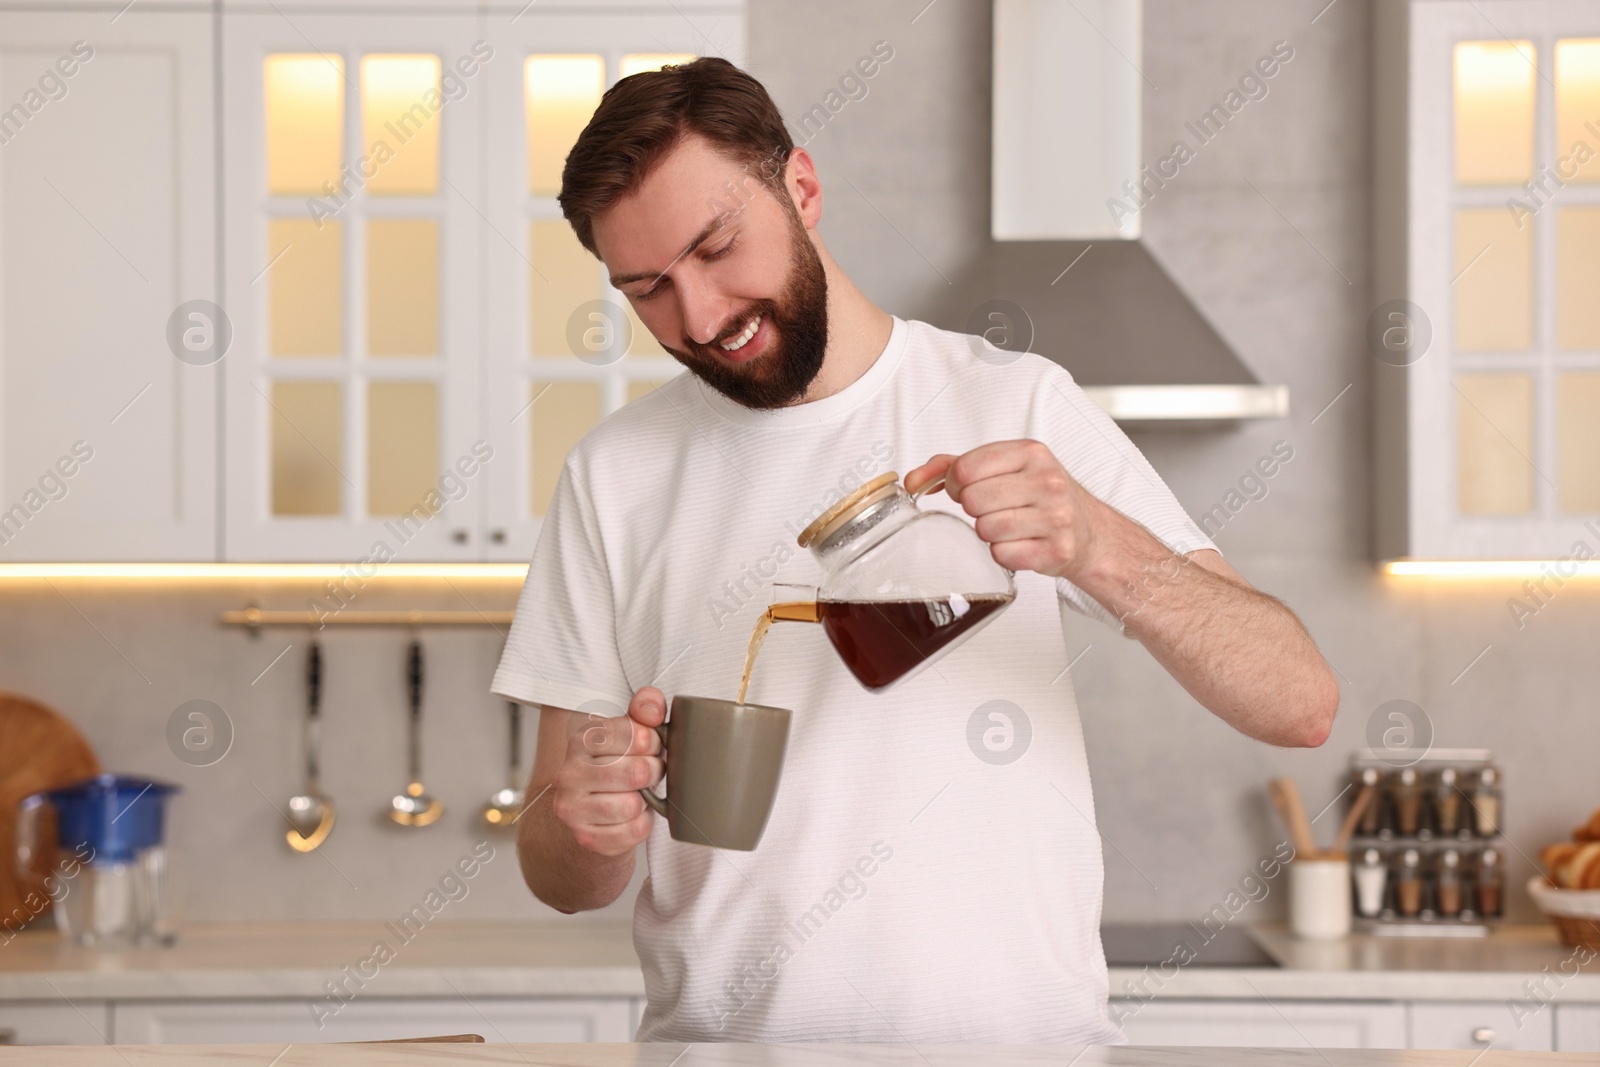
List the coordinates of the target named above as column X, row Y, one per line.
column 225, row 572
column 400, row 116
column 1494, row 112
column 639, row 62
column 562, row 92
column 1492, row 568
column 1578, row 108
column 305, row 123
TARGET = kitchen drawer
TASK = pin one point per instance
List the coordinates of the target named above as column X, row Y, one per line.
column 54, row 1022
column 1578, row 1028
column 521, row 1019
column 1256, row 1023
column 1479, row 1024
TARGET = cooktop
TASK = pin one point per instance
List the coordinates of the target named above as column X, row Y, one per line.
column 1187, row 944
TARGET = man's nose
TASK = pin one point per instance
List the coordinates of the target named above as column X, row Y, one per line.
column 704, row 313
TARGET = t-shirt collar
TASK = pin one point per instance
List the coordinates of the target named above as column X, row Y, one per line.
column 817, row 411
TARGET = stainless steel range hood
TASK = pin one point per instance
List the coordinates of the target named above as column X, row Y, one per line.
column 1066, row 272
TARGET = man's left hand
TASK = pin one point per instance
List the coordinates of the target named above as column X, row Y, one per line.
column 1034, row 515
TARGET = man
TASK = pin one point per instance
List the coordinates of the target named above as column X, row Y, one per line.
column 906, row 888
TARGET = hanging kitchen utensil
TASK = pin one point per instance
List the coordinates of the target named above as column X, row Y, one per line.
column 415, row 807
column 506, row 804
column 311, row 813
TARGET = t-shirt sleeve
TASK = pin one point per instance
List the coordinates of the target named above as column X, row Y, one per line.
column 1095, row 451
column 562, row 649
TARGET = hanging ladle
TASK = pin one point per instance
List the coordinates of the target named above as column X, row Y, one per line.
column 506, row 804
column 415, row 807
column 311, row 813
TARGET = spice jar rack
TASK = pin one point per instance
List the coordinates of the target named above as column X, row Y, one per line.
column 1428, row 855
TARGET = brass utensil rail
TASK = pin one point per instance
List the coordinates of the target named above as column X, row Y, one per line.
column 255, row 618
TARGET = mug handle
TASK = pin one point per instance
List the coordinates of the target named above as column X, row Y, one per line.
column 655, row 803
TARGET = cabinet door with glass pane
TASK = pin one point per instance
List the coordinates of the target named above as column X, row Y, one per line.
column 564, row 348
column 353, row 203
column 108, row 357
column 1504, row 231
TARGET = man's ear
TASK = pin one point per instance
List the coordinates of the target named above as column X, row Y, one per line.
column 805, row 189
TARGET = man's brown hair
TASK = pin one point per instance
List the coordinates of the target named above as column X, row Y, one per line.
column 642, row 117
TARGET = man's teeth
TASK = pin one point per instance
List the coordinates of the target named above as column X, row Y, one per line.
column 736, row 343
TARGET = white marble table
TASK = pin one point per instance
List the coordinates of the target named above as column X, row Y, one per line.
column 736, row 1055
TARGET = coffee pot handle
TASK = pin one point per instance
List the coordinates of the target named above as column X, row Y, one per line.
column 657, row 804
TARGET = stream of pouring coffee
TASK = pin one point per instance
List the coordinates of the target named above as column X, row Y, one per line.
column 790, row 611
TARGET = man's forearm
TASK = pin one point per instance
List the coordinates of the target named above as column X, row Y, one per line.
column 1239, row 652
column 562, row 873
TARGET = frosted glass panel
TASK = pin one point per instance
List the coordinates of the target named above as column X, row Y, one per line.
column 402, row 287
column 561, row 93
column 402, row 446
column 1578, row 442
column 1578, row 107
column 1578, row 277
column 305, row 288
column 1494, row 112
column 304, row 97
column 563, row 413
column 1494, row 283
column 400, row 119
column 639, row 62
column 307, row 431
column 565, row 276
column 644, row 342
column 638, row 389
column 1494, row 443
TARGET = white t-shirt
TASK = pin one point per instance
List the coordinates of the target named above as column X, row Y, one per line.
column 912, row 885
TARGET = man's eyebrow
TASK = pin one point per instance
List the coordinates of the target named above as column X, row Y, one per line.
column 619, row 280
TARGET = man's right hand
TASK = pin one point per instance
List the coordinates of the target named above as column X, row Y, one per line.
column 607, row 761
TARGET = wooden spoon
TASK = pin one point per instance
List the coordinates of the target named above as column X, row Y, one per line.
column 1286, row 797
column 1357, row 808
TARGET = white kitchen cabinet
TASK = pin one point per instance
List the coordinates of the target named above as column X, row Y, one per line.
column 84, row 1022
column 352, row 199
column 1577, row 1028
column 1486, row 333
column 1486, row 1024
column 168, row 1022
column 564, row 347
column 1256, row 1023
column 636, row 1008
column 107, row 225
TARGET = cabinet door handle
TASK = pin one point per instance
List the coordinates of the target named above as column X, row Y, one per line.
column 497, row 536
column 8, row 1035
column 1483, row 1035
column 459, row 537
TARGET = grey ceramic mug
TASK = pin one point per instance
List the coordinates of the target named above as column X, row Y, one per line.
column 723, row 761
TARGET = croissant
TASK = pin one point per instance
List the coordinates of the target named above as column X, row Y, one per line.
column 1555, row 856
column 1581, row 870
column 1589, row 831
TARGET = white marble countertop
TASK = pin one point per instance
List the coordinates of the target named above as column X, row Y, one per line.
column 583, row 958
column 1364, row 967
column 595, row 958
column 737, row 1055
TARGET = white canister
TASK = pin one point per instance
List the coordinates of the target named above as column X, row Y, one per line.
column 1319, row 896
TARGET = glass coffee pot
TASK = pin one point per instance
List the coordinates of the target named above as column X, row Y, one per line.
column 901, row 587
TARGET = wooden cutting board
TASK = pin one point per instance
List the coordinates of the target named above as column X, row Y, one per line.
column 39, row 750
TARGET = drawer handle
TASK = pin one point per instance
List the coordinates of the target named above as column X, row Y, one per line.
column 1483, row 1035
column 8, row 1035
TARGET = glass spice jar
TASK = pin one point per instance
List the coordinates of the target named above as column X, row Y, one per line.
column 1447, row 802
column 1407, row 795
column 1491, row 881
column 1486, row 802
column 1447, row 885
column 1408, row 884
column 1371, row 878
column 1369, row 822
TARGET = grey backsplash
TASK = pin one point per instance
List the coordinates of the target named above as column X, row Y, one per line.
column 1179, row 795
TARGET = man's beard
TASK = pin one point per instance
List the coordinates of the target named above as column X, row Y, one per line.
column 779, row 376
